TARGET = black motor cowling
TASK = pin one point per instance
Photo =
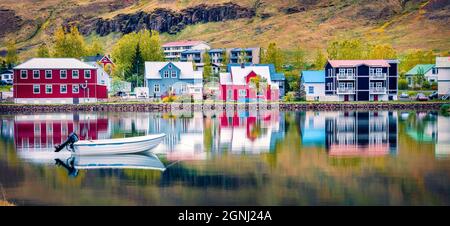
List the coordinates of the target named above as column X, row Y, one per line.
column 71, row 139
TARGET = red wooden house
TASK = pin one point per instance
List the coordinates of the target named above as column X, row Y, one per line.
column 58, row 80
column 236, row 85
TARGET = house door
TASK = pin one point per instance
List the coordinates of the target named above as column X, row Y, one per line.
column 375, row 97
column 345, row 97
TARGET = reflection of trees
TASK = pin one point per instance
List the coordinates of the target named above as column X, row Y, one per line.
column 420, row 121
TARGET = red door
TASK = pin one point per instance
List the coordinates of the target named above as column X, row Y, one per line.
column 375, row 97
column 345, row 97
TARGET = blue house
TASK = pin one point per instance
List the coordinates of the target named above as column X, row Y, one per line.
column 177, row 78
column 314, row 83
column 278, row 78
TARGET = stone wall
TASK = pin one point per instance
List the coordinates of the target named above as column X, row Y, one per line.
column 164, row 107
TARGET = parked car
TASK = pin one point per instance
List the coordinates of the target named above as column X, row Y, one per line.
column 434, row 95
column 421, row 97
column 120, row 94
column 3, row 82
column 404, row 95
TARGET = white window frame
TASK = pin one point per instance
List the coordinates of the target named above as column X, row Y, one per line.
column 85, row 74
column 350, row 86
column 173, row 74
column 22, row 72
column 78, row 74
column 341, row 85
column 166, row 74
column 38, row 87
column 51, row 88
column 37, row 129
column 38, row 74
column 349, row 71
column 242, row 93
column 371, row 71
column 60, row 88
column 379, row 71
column 341, row 71
column 46, row 74
column 156, row 88
column 61, row 72
column 379, row 84
column 78, row 88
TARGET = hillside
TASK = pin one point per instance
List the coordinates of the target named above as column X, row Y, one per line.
column 406, row 24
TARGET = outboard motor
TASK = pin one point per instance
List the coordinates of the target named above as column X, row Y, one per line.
column 71, row 139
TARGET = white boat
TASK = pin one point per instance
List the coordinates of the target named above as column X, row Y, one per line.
column 116, row 146
column 145, row 161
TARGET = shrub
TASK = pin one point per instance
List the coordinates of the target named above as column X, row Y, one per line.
column 289, row 97
column 169, row 99
column 445, row 109
column 434, row 86
column 426, row 85
column 402, row 84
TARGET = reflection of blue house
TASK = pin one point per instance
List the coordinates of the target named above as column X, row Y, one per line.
column 174, row 77
column 312, row 129
column 278, row 136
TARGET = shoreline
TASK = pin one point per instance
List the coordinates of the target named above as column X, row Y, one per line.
column 169, row 107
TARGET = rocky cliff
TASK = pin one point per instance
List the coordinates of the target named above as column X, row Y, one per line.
column 163, row 20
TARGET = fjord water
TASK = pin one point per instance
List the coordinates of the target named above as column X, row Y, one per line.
column 233, row 158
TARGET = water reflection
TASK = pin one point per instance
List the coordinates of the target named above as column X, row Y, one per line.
column 233, row 158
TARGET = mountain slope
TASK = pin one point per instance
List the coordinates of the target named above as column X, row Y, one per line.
column 406, row 24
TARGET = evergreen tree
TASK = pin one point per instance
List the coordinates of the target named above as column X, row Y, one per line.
column 137, row 68
column 11, row 54
column 207, row 68
column 43, row 51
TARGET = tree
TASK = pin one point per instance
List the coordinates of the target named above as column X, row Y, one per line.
column 11, row 54
column 149, row 46
column 43, row 51
column 382, row 52
column 299, row 58
column 95, row 48
column 347, row 50
column 273, row 55
column 300, row 94
column 402, row 84
column 207, row 68
column 242, row 59
column 69, row 44
column 319, row 60
column 137, row 67
column 419, row 78
column 415, row 57
column 258, row 81
column 3, row 64
column 225, row 60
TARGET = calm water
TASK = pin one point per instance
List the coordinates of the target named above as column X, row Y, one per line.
column 233, row 158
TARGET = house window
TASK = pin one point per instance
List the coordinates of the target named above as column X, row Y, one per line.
column 341, row 85
column 170, row 66
column 156, row 88
column 63, row 74
column 242, row 92
column 342, row 71
column 329, row 87
column 183, row 88
column 330, row 72
column 432, row 80
column 174, row 74
column 230, row 94
column 36, row 74
column 350, row 86
column 166, row 74
column 48, row 89
column 23, row 74
column 350, row 71
column 197, row 90
column 379, row 71
column 371, row 71
column 37, row 129
column 435, row 71
column 75, row 88
column 36, row 89
column 379, row 84
column 75, row 74
column 311, row 89
column 48, row 74
column 87, row 73
column 63, row 89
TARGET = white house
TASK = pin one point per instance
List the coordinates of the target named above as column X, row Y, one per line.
column 314, row 83
column 172, row 50
column 7, row 76
column 443, row 69
column 428, row 70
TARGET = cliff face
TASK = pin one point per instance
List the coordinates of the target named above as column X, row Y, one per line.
column 9, row 21
column 164, row 20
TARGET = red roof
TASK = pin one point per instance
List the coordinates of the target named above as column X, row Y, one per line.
column 355, row 63
column 182, row 43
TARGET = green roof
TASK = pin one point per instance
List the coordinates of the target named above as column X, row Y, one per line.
column 424, row 67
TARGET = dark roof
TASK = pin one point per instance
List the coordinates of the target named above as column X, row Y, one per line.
column 96, row 58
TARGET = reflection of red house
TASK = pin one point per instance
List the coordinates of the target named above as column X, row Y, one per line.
column 237, row 86
column 45, row 132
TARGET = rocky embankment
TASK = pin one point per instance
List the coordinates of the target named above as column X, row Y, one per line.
column 163, row 20
column 164, row 107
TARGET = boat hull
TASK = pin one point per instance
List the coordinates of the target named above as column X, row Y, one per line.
column 118, row 146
